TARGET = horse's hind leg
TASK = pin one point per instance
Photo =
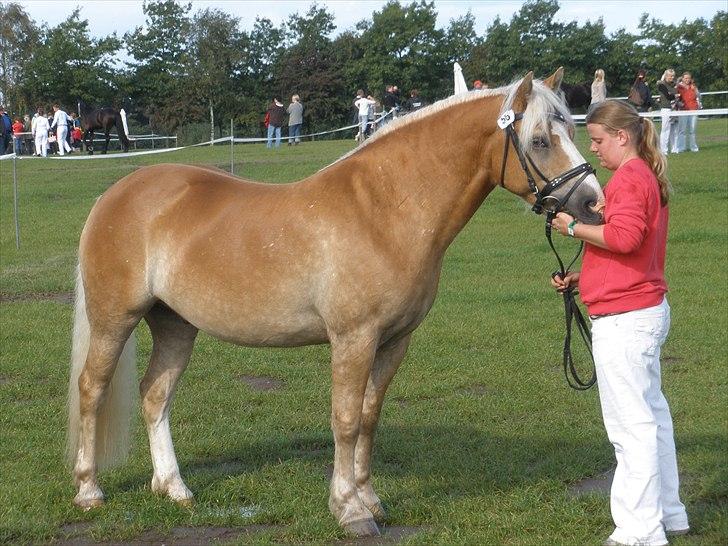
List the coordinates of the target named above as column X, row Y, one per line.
column 173, row 339
column 105, row 347
column 386, row 364
column 351, row 361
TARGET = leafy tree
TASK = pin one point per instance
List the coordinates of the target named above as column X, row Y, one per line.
column 158, row 77
column 216, row 54
column 308, row 68
column 67, row 64
column 18, row 37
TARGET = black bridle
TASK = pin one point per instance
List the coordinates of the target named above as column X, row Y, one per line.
column 552, row 205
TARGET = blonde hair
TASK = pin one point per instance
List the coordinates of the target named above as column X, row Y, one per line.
column 599, row 75
column 295, row 98
column 666, row 73
column 615, row 115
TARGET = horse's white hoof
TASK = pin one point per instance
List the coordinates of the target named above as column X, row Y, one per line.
column 362, row 528
column 87, row 504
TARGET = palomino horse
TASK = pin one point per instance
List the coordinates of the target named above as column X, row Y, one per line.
column 103, row 119
column 349, row 256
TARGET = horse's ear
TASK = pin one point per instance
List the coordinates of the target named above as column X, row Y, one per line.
column 554, row 80
column 524, row 91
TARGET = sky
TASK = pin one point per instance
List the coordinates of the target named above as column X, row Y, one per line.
column 120, row 16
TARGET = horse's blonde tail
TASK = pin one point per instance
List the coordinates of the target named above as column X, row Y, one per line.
column 114, row 416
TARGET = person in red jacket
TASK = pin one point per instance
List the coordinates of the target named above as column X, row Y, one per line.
column 622, row 283
column 18, row 129
column 690, row 96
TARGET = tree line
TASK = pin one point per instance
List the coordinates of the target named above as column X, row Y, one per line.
column 183, row 67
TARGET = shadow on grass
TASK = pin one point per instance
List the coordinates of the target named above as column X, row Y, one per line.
column 453, row 461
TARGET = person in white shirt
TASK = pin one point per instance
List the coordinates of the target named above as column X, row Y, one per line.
column 60, row 124
column 363, row 104
column 39, row 129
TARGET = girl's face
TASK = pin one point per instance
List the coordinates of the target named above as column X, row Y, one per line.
column 687, row 79
column 670, row 77
column 612, row 150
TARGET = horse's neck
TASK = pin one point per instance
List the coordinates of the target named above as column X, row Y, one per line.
column 436, row 170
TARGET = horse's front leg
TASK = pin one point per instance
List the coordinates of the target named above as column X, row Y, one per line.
column 351, row 361
column 386, row 364
column 88, row 140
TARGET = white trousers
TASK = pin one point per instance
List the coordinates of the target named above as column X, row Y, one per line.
column 41, row 144
column 668, row 132
column 61, row 134
column 686, row 133
column 644, row 497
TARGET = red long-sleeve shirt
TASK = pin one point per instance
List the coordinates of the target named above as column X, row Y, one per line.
column 630, row 274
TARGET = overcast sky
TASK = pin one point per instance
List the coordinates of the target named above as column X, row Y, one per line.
column 107, row 16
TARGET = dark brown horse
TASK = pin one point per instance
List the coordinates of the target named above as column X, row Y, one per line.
column 350, row 256
column 101, row 119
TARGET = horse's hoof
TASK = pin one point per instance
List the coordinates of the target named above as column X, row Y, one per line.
column 186, row 503
column 88, row 504
column 362, row 528
column 379, row 513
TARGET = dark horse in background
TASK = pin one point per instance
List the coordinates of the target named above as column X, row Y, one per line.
column 576, row 95
column 101, row 119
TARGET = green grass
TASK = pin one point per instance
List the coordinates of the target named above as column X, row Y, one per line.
column 480, row 437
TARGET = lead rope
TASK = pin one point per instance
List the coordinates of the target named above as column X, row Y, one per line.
column 572, row 313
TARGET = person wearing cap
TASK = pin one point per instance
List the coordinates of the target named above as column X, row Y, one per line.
column 60, row 124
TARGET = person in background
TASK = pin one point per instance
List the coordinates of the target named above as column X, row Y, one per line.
column 477, row 85
column 6, row 131
column 389, row 105
column 668, row 103
column 690, row 97
column 598, row 87
column 622, row 283
column 415, row 102
column 363, row 104
column 295, row 120
column 76, row 138
column 60, row 126
column 40, row 128
column 18, row 129
column 640, row 96
column 276, row 113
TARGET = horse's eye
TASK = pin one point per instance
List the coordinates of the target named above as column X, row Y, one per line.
column 540, row 142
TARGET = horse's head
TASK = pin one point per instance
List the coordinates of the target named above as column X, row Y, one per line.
column 544, row 166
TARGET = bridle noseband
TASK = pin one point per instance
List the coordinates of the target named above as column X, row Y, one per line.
column 545, row 201
column 544, row 198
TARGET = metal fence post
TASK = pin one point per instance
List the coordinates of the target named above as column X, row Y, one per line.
column 15, row 205
column 232, row 143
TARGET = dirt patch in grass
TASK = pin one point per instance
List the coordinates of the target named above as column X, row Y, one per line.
column 670, row 360
column 262, row 382
column 58, row 297
column 477, row 390
column 601, row 484
column 4, row 380
column 391, row 534
column 76, row 534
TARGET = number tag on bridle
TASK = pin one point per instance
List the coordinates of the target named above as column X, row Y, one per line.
column 506, row 119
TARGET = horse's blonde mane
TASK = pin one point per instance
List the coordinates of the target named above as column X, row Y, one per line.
column 541, row 103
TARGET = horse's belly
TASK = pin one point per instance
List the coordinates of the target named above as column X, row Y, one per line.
column 262, row 323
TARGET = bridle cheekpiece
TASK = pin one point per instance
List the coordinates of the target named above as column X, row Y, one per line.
column 544, row 198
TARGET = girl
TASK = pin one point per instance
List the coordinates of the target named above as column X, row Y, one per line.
column 622, row 283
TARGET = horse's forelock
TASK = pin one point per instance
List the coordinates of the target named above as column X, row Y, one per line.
column 542, row 104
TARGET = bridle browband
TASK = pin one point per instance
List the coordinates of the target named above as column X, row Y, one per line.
column 544, row 198
column 545, row 201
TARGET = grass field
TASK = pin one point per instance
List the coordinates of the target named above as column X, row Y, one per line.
column 481, row 441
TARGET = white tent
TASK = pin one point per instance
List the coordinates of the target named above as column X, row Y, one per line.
column 460, row 85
